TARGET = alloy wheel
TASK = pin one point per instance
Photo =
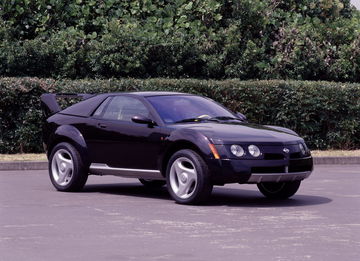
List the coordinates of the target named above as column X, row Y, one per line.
column 183, row 177
column 62, row 167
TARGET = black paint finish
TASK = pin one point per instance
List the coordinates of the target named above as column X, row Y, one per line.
column 149, row 144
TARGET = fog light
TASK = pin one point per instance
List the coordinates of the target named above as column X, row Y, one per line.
column 254, row 151
column 237, row 150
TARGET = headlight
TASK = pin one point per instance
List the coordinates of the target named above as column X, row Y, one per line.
column 302, row 149
column 237, row 150
column 254, row 151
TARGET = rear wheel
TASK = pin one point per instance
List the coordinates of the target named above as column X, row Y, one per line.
column 152, row 183
column 66, row 168
column 279, row 190
column 187, row 178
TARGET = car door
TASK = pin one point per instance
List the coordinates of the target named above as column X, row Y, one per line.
column 118, row 141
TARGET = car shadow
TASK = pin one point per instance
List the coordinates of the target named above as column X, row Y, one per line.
column 252, row 198
column 220, row 196
column 128, row 189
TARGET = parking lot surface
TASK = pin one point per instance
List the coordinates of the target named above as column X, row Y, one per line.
column 119, row 219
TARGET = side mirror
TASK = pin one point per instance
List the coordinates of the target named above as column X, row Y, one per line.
column 143, row 120
column 241, row 116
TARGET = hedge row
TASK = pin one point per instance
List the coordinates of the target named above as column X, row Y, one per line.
column 203, row 39
column 326, row 114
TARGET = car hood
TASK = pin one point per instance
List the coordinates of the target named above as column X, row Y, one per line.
column 233, row 132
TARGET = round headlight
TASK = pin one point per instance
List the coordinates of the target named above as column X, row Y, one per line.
column 237, row 150
column 302, row 148
column 254, row 151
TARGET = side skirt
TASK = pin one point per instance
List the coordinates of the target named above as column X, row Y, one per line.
column 104, row 169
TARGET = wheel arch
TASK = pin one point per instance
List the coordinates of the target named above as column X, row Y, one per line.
column 176, row 146
column 69, row 134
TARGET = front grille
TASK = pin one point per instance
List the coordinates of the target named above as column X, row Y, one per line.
column 294, row 166
column 278, row 169
column 273, row 156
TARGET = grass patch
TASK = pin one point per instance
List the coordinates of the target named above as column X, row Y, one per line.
column 336, row 153
column 23, row 157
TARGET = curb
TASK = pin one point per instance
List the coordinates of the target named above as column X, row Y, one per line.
column 23, row 165
column 43, row 165
column 336, row 160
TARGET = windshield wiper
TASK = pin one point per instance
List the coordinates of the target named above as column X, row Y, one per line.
column 217, row 118
column 224, row 118
column 195, row 120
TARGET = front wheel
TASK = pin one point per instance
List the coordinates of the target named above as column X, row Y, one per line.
column 187, row 178
column 66, row 168
column 280, row 190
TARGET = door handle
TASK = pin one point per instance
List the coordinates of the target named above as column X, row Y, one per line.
column 102, row 125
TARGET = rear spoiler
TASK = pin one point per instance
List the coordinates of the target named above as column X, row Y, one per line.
column 50, row 105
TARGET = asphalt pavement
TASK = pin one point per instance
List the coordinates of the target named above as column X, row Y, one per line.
column 118, row 219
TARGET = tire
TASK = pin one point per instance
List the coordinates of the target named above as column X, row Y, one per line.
column 152, row 183
column 66, row 168
column 187, row 178
column 281, row 190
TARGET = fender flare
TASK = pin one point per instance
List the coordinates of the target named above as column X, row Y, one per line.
column 69, row 133
column 198, row 139
column 184, row 139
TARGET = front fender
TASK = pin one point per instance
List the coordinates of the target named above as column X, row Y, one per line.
column 183, row 139
column 283, row 129
column 194, row 137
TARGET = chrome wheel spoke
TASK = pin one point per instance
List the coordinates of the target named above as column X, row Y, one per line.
column 191, row 175
column 69, row 167
column 179, row 168
column 65, row 160
column 68, row 173
column 57, row 158
column 184, row 189
column 62, row 176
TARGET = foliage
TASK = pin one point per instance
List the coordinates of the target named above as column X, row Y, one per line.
column 245, row 39
column 326, row 114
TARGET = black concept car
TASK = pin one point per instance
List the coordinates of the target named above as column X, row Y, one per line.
column 188, row 143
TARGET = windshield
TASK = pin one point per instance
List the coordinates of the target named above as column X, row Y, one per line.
column 177, row 108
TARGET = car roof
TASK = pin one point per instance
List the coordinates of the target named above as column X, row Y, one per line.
column 149, row 93
column 85, row 107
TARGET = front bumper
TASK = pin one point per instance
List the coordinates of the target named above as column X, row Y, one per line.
column 259, row 170
column 278, row 177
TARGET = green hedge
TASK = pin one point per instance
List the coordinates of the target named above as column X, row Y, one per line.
column 326, row 114
column 203, row 39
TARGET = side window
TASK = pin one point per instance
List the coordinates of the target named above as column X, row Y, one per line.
column 100, row 109
column 123, row 108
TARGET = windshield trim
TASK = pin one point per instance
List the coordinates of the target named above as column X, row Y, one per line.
column 148, row 99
